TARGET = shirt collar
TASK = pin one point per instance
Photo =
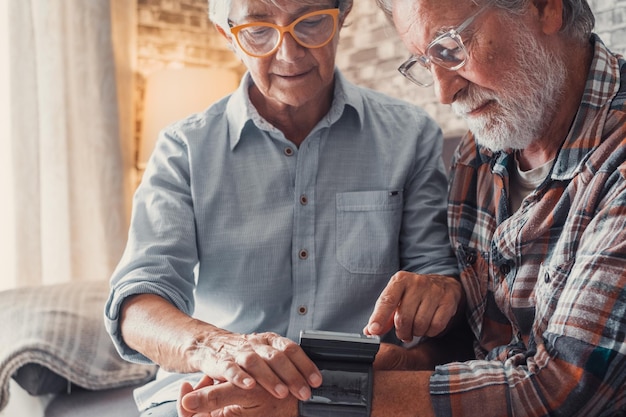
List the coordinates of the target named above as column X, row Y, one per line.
column 238, row 110
column 585, row 135
column 243, row 115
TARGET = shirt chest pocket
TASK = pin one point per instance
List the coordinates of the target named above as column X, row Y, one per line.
column 368, row 230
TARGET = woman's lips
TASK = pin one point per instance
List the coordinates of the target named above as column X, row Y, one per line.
column 293, row 76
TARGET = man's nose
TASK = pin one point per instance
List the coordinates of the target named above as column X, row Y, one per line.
column 447, row 83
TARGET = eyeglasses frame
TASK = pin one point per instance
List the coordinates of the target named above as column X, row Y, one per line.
column 334, row 12
column 425, row 61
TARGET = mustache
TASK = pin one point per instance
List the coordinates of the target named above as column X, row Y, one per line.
column 471, row 99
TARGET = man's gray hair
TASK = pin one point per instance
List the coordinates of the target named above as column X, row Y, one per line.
column 220, row 9
column 578, row 19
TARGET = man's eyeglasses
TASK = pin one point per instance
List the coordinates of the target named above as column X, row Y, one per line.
column 312, row 30
column 447, row 51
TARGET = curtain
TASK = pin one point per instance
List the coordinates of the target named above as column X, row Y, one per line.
column 68, row 163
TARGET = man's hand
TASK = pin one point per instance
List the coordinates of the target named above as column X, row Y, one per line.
column 418, row 305
column 228, row 400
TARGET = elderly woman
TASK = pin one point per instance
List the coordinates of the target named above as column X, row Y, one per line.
column 287, row 206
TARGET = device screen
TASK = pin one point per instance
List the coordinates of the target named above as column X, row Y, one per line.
column 342, row 387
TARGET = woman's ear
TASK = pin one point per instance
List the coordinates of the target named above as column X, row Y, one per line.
column 227, row 37
column 222, row 32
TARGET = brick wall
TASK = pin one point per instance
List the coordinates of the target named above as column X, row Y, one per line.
column 611, row 22
column 178, row 33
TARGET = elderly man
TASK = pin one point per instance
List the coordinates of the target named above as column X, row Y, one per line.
column 287, row 206
column 537, row 212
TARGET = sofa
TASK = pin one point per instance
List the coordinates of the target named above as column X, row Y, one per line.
column 56, row 359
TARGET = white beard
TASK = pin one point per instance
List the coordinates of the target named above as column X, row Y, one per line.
column 527, row 103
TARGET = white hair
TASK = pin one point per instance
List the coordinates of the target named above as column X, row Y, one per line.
column 220, row 9
column 578, row 19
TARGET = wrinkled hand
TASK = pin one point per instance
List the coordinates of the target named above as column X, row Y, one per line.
column 227, row 400
column 187, row 388
column 276, row 363
column 418, row 305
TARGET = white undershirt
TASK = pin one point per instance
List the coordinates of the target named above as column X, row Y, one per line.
column 522, row 183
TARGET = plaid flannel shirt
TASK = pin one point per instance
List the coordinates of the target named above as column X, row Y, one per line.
column 545, row 285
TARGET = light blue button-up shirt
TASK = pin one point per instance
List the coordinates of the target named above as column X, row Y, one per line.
column 237, row 226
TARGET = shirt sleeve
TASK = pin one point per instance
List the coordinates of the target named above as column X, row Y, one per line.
column 575, row 363
column 424, row 242
column 161, row 251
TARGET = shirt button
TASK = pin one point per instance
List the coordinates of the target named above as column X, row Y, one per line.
column 303, row 254
column 505, row 269
column 302, row 310
column 470, row 258
column 546, row 278
column 304, row 200
column 288, row 151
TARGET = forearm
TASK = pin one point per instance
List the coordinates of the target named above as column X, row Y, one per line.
column 157, row 329
column 396, row 394
column 401, row 393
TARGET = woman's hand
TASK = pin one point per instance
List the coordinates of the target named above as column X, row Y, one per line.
column 179, row 343
column 276, row 363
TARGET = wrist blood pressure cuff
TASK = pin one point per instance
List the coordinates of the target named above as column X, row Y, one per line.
column 345, row 362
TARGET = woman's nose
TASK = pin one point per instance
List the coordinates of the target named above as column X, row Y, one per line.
column 289, row 49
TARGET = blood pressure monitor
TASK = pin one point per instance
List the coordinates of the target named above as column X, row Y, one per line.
column 345, row 362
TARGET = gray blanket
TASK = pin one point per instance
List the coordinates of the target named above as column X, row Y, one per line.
column 54, row 336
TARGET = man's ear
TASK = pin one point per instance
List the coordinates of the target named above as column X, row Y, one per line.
column 550, row 15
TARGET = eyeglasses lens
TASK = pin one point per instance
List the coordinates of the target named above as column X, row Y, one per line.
column 310, row 32
column 258, row 40
column 315, row 31
column 417, row 71
column 448, row 51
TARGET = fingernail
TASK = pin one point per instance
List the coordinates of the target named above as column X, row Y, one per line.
column 248, row 382
column 191, row 401
column 315, row 380
column 305, row 394
column 282, row 390
column 374, row 328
